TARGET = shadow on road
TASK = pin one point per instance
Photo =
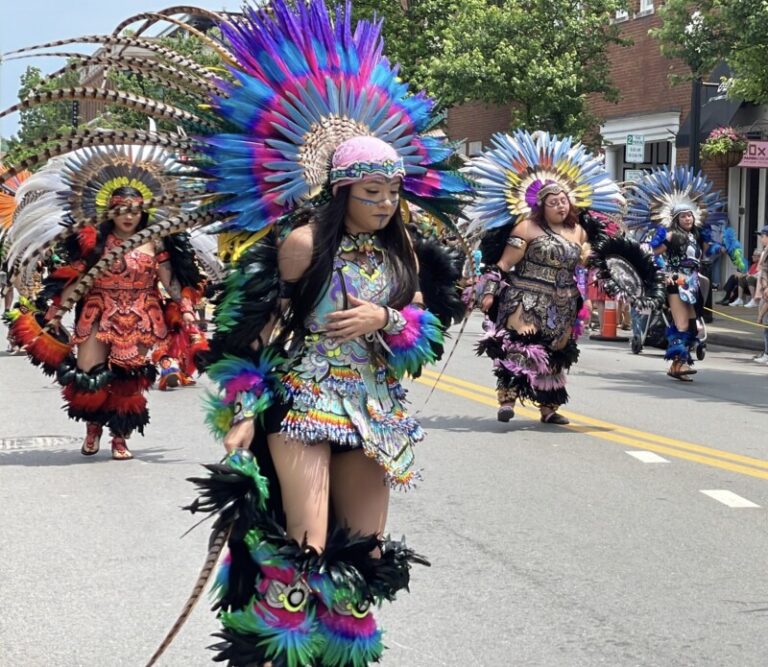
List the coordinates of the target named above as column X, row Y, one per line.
column 465, row 424
column 69, row 457
column 747, row 389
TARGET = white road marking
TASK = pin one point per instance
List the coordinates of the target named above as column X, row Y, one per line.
column 729, row 498
column 648, row 457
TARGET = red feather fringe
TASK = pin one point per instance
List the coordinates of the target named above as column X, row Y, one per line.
column 85, row 401
column 41, row 346
column 69, row 272
column 126, row 405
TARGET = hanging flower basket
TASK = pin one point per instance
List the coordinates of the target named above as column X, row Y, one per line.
column 727, row 160
column 724, row 147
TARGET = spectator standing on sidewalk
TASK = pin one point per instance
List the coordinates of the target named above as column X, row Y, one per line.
column 761, row 289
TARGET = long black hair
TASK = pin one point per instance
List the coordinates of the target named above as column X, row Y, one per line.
column 328, row 222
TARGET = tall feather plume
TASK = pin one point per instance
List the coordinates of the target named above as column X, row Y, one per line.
column 216, row 546
column 223, row 53
column 131, row 101
column 130, row 42
column 70, row 141
column 168, row 11
column 152, row 69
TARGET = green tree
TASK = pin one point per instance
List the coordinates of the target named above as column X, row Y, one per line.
column 541, row 57
column 703, row 33
column 41, row 121
column 118, row 117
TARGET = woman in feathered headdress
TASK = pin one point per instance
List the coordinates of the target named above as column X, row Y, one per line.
column 539, row 203
column 683, row 210
column 87, row 208
column 318, row 321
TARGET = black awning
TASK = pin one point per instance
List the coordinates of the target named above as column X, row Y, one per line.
column 716, row 109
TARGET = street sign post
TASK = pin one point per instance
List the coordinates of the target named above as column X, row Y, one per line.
column 635, row 148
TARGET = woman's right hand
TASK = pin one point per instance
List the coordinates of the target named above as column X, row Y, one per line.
column 486, row 302
column 240, row 435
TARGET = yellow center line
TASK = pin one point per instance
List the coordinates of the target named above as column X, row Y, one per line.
column 603, row 430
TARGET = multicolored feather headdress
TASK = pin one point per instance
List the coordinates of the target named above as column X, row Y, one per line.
column 308, row 83
column 93, row 174
column 663, row 193
column 511, row 175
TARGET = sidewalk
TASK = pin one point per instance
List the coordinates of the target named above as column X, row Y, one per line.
column 731, row 332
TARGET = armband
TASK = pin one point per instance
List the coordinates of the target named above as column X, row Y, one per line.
column 287, row 289
column 395, row 322
column 517, row 242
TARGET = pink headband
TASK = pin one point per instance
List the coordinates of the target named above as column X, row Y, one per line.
column 362, row 158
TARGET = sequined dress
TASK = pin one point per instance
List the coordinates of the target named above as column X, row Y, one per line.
column 684, row 263
column 124, row 307
column 344, row 393
column 544, row 284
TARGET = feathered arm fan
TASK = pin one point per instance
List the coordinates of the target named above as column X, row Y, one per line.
column 440, row 269
column 247, row 302
column 734, row 249
column 629, row 271
column 184, row 266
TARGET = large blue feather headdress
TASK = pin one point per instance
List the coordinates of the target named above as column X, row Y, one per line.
column 306, row 82
column 510, row 176
column 663, row 193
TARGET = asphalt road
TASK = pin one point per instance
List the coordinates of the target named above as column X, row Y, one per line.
column 614, row 541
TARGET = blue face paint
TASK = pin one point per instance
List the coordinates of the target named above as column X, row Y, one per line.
column 375, row 202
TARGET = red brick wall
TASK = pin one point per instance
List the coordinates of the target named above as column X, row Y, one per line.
column 477, row 122
column 641, row 74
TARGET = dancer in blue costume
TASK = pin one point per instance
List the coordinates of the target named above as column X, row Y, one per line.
column 684, row 211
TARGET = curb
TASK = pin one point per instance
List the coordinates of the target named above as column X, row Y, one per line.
column 740, row 342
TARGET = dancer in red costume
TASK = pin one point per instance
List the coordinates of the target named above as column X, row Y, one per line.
column 111, row 271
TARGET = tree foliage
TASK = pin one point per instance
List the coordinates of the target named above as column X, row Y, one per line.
column 541, row 57
column 40, row 121
column 117, row 117
column 703, row 33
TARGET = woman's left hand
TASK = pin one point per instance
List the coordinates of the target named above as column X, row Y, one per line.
column 362, row 318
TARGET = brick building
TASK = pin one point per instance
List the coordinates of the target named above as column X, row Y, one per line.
column 650, row 106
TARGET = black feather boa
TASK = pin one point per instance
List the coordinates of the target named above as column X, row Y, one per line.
column 440, row 269
column 248, row 299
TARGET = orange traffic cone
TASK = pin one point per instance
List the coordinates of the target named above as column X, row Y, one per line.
column 608, row 328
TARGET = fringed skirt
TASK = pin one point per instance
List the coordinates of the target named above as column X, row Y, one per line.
column 527, row 365
column 353, row 407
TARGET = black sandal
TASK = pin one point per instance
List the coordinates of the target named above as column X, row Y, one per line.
column 554, row 418
column 505, row 413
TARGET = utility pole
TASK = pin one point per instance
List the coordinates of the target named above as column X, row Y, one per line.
column 693, row 150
